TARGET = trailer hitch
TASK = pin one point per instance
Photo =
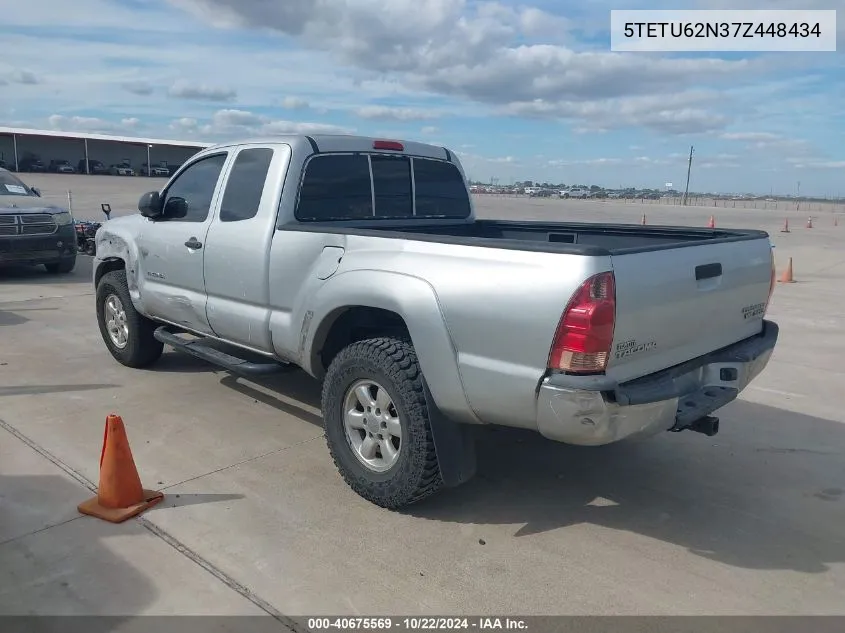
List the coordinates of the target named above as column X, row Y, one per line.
column 708, row 425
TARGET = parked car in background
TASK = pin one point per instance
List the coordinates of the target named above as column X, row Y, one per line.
column 60, row 166
column 95, row 167
column 575, row 193
column 33, row 231
column 362, row 261
column 155, row 170
column 31, row 164
column 121, row 170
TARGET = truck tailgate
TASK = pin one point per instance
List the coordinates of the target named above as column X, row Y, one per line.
column 673, row 305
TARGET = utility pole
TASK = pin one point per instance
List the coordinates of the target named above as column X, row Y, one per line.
column 798, row 197
column 689, row 168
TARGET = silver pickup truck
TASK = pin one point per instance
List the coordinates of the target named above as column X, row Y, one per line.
column 361, row 261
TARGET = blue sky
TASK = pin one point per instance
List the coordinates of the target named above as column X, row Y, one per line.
column 521, row 90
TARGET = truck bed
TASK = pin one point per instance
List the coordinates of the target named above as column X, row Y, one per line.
column 575, row 238
column 680, row 292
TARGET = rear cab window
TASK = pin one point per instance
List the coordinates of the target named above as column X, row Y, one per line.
column 376, row 186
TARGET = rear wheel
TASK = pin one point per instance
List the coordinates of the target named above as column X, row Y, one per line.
column 377, row 424
column 128, row 335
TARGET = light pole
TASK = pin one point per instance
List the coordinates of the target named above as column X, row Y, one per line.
column 149, row 164
column 689, row 168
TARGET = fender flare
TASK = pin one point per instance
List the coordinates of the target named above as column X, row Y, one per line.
column 413, row 299
column 111, row 246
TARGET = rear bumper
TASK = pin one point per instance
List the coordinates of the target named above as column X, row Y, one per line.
column 568, row 412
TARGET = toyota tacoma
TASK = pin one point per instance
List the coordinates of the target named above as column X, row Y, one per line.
column 362, row 262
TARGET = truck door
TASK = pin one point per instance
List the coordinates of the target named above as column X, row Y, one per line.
column 237, row 252
column 171, row 248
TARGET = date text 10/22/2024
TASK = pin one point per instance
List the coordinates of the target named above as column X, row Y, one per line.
column 482, row 623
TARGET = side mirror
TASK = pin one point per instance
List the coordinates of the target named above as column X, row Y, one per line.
column 35, row 191
column 150, row 205
column 176, row 208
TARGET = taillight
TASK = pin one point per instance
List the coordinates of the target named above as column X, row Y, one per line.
column 585, row 332
column 772, row 283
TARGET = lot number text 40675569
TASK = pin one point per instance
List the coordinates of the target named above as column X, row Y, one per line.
column 422, row 623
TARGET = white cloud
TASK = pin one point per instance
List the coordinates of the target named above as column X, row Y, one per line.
column 483, row 51
column 680, row 113
column 756, row 137
column 429, row 129
column 468, row 158
column 769, row 141
column 92, row 124
column 825, row 164
column 182, row 89
column 294, row 103
column 232, row 123
column 185, row 124
column 388, row 113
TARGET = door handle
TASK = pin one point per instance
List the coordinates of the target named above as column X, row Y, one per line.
column 708, row 271
column 193, row 243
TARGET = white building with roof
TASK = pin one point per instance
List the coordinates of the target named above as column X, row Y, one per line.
column 18, row 146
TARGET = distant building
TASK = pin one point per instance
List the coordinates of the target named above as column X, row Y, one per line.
column 24, row 149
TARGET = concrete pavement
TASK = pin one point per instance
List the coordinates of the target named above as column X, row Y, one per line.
column 747, row 522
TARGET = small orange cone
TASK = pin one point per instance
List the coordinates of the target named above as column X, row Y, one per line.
column 786, row 277
column 809, row 223
column 785, row 228
column 712, row 223
column 643, row 220
column 120, row 495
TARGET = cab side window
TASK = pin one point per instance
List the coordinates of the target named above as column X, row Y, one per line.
column 189, row 197
column 245, row 184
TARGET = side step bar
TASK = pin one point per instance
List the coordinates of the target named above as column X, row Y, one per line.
column 228, row 362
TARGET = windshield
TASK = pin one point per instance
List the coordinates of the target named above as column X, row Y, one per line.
column 10, row 185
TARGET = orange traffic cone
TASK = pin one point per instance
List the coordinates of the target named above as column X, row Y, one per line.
column 786, row 277
column 120, row 495
column 785, row 228
column 809, row 223
column 712, row 223
column 643, row 220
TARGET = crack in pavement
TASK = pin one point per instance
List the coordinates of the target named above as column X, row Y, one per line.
column 168, row 538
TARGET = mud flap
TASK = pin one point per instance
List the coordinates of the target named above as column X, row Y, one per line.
column 454, row 444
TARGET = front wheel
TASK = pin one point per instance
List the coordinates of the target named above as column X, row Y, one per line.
column 63, row 267
column 128, row 334
column 377, row 425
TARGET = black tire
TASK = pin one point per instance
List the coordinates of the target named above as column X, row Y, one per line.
column 142, row 349
column 90, row 248
column 63, row 267
column 392, row 363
